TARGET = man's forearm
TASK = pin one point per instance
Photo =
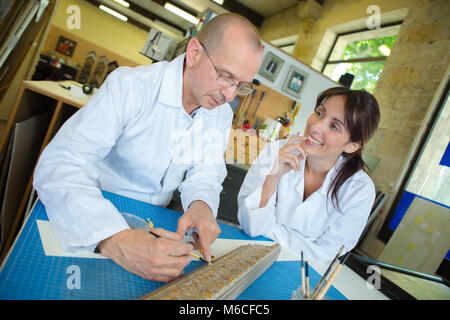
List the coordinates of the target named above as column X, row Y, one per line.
column 200, row 205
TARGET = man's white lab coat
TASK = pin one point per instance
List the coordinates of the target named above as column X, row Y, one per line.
column 313, row 226
column 135, row 139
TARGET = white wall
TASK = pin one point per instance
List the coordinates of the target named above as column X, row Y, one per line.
column 314, row 84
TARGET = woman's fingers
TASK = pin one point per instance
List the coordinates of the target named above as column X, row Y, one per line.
column 291, row 159
column 297, row 150
column 296, row 140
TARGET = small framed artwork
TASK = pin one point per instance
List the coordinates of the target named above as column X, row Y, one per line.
column 65, row 46
column 181, row 47
column 294, row 82
column 271, row 66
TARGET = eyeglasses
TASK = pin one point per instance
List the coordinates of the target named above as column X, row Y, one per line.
column 227, row 82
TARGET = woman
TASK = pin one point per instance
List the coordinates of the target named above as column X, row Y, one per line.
column 311, row 193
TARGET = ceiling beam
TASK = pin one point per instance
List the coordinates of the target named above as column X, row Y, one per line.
column 237, row 7
column 230, row 5
column 179, row 5
column 154, row 16
column 145, row 13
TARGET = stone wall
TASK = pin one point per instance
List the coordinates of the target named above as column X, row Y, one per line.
column 411, row 75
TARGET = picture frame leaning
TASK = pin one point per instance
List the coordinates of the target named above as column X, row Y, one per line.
column 271, row 66
column 294, row 82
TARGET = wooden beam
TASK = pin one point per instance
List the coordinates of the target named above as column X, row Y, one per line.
column 237, row 7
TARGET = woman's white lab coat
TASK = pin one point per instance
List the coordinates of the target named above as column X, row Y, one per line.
column 313, row 226
column 133, row 138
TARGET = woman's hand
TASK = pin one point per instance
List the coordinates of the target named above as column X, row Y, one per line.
column 289, row 157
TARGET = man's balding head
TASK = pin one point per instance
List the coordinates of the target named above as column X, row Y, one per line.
column 227, row 47
column 225, row 27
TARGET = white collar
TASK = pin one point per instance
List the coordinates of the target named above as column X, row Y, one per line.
column 171, row 91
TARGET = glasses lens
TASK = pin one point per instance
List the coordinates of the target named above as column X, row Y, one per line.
column 225, row 82
column 243, row 91
column 228, row 83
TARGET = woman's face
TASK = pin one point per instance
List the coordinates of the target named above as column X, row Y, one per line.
column 326, row 131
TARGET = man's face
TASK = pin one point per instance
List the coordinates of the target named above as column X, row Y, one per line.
column 232, row 63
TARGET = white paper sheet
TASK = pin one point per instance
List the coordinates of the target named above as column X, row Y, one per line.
column 51, row 246
column 218, row 247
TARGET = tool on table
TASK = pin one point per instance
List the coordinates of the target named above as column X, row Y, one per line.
column 259, row 103
column 246, row 125
column 283, row 121
column 256, row 123
column 296, row 108
column 293, row 105
column 150, row 224
column 333, row 276
column 67, row 88
column 307, row 279
column 317, row 288
column 242, row 114
column 239, row 110
column 87, row 88
column 189, row 232
column 250, row 104
column 296, row 295
column 303, row 274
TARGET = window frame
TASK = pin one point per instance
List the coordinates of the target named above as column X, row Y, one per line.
column 368, row 59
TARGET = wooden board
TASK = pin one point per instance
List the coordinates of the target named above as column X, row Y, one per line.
column 226, row 278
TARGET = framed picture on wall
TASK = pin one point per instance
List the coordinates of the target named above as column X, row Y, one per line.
column 294, row 82
column 181, row 47
column 271, row 66
column 65, row 46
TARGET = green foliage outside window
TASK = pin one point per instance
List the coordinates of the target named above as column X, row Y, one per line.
column 366, row 73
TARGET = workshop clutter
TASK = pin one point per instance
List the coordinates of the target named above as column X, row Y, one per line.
column 243, row 147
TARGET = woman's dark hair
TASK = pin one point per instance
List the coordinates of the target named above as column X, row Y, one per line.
column 361, row 119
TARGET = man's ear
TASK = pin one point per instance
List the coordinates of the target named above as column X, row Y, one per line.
column 193, row 52
column 352, row 147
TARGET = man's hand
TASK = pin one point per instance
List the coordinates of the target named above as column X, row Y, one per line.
column 199, row 216
column 159, row 259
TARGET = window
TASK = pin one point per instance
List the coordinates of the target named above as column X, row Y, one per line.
column 286, row 44
column 362, row 54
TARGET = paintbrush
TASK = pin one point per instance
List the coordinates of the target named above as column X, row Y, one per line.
column 333, row 276
column 316, row 289
column 307, row 280
column 303, row 275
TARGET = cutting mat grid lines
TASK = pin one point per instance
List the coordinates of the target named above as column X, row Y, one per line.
column 29, row 274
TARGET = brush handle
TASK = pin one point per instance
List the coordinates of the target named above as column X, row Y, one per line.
column 327, row 285
column 191, row 253
column 154, row 234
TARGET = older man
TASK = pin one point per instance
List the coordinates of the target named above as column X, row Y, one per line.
column 145, row 130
